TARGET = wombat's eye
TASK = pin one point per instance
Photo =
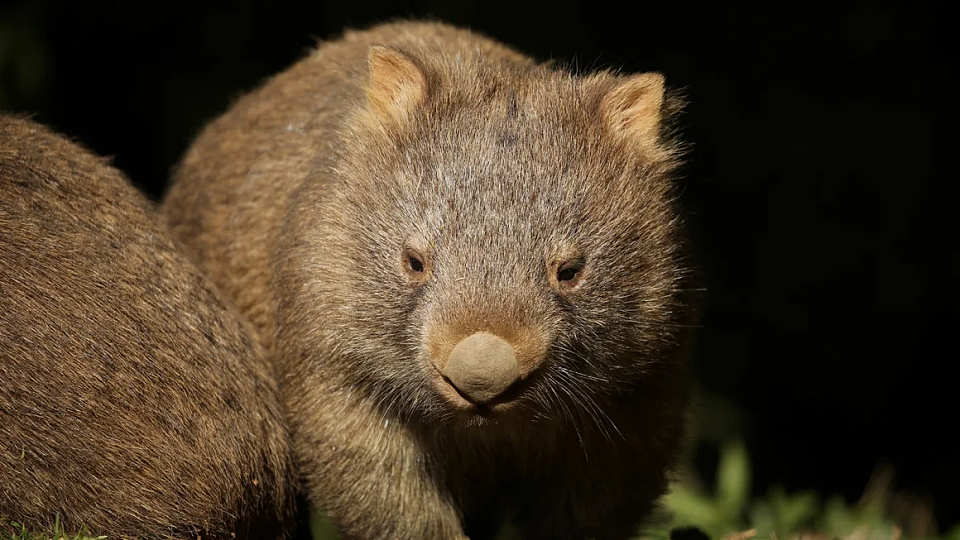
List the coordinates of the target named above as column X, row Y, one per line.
column 567, row 273
column 415, row 264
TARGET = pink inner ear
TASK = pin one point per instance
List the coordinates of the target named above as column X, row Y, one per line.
column 396, row 83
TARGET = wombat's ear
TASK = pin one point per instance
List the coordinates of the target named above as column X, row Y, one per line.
column 397, row 85
column 632, row 109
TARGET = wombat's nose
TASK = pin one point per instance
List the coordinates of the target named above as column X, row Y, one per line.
column 482, row 366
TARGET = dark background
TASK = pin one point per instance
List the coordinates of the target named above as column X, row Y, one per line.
column 817, row 186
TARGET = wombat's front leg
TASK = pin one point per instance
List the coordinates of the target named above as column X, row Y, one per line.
column 366, row 472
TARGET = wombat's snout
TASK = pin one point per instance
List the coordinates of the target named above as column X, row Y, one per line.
column 482, row 366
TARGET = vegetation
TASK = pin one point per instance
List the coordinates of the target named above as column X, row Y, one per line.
column 16, row 531
column 731, row 513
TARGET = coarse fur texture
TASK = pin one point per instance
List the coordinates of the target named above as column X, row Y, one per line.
column 413, row 184
column 133, row 400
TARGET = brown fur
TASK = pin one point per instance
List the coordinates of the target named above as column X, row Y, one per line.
column 134, row 402
column 304, row 202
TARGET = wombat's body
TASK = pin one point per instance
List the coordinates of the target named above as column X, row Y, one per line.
column 132, row 401
column 467, row 269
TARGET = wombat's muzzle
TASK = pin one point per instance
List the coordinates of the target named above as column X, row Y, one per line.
column 481, row 367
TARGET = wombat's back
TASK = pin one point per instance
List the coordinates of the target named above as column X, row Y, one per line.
column 133, row 400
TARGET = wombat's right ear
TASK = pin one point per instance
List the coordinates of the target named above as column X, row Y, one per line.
column 632, row 110
column 397, row 85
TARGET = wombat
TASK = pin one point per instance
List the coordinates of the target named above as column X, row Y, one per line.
column 470, row 272
column 133, row 401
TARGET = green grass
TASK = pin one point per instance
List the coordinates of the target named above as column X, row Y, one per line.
column 20, row 532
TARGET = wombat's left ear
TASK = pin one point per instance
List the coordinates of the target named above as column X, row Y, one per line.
column 632, row 109
column 397, row 85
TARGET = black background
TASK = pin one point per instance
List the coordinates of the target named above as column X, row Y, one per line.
column 817, row 186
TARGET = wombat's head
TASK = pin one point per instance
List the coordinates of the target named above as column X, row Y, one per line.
column 498, row 240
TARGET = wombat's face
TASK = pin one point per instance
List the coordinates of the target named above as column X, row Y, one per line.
column 511, row 250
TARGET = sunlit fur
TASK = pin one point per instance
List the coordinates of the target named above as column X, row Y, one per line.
column 301, row 200
column 132, row 400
